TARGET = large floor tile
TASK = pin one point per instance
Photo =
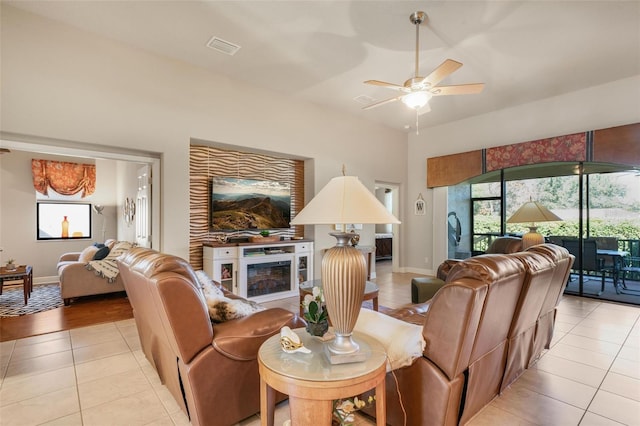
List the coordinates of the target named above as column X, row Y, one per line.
column 576, row 371
column 104, row 367
column 584, row 356
column 556, row 387
column 95, row 335
column 74, row 419
column 622, row 385
column 592, row 419
column 40, row 409
column 538, row 408
column 31, row 366
column 126, row 411
column 590, row 344
column 100, row 350
column 42, row 338
column 42, row 348
column 630, row 353
column 27, row 387
column 569, row 319
column 607, row 335
column 626, row 367
column 562, row 327
column 110, row 388
column 615, row 407
column 493, row 416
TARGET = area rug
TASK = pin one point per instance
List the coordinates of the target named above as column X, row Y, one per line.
column 43, row 298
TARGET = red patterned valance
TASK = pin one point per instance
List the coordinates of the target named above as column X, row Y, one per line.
column 64, row 178
column 561, row 148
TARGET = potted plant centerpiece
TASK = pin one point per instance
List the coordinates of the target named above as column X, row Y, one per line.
column 11, row 265
column 315, row 313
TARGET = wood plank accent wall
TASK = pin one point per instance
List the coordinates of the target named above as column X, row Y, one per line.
column 206, row 162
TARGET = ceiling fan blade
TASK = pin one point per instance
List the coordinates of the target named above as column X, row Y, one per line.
column 425, row 109
column 462, row 89
column 385, row 84
column 377, row 104
column 443, row 70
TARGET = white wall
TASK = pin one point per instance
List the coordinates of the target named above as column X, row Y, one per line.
column 60, row 82
column 18, row 213
column 127, row 187
column 609, row 105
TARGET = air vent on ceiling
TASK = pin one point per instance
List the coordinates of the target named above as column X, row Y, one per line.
column 364, row 99
column 223, row 46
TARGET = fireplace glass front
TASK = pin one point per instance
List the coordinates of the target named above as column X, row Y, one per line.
column 268, row 278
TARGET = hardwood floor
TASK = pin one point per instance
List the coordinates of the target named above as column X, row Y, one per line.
column 82, row 312
column 394, row 292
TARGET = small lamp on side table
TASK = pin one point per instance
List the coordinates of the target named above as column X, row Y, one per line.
column 532, row 212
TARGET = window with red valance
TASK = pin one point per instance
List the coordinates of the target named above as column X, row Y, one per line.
column 63, row 177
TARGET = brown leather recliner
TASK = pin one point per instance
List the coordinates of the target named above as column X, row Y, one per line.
column 459, row 325
column 210, row 369
column 487, row 324
column 501, row 245
column 547, row 317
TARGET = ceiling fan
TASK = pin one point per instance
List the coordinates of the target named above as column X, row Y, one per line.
column 417, row 91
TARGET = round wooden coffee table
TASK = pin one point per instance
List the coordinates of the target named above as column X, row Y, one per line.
column 312, row 383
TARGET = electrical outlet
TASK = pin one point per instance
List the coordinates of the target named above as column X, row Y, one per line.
column 426, row 260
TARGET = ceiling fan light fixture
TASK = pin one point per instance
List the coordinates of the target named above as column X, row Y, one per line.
column 416, row 100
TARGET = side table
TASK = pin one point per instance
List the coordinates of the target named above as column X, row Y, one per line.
column 22, row 273
column 312, row 383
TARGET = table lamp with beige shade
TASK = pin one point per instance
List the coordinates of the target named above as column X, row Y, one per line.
column 532, row 212
column 344, row 200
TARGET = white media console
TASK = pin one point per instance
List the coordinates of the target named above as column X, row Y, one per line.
column 259, row 271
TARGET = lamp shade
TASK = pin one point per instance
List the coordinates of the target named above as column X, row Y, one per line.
column 532, row 211
column 344, row 200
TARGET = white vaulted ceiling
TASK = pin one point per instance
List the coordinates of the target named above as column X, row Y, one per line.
column 322, row 51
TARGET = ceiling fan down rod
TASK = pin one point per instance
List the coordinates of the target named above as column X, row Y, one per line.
column 417, row 18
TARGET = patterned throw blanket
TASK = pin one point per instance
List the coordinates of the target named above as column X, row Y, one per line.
column 107, row 267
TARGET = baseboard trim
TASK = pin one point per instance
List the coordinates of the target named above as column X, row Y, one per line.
column 46, row 280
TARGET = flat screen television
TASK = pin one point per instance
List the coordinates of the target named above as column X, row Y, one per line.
column 249, row 204
column 61, row 221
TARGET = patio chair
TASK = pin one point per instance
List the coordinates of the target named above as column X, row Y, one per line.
column 591, row 262
column 632, row 265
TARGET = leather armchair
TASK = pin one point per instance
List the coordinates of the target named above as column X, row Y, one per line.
column 210, row 369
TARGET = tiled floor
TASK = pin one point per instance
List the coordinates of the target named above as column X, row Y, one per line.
column 97, row 375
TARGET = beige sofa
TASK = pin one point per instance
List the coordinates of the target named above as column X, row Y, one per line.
column 77, row 281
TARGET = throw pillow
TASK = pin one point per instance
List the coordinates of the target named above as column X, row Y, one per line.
column 118, row 249
column 101, row 253
column 209, row 288
column 222, row 308
column 87, row 254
